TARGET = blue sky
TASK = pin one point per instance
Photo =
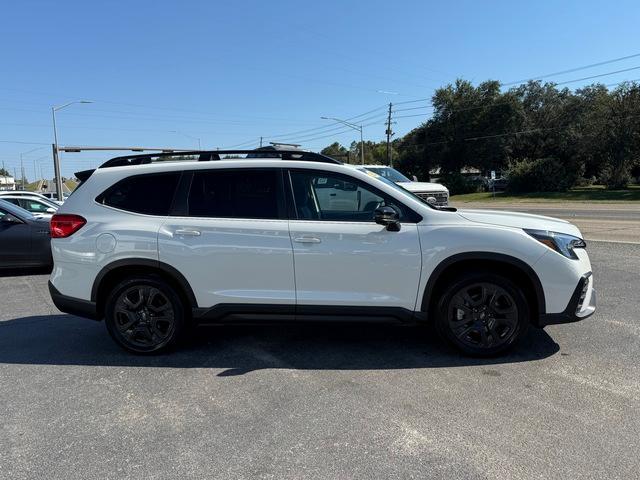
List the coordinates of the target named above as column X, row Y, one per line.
column 160, row 72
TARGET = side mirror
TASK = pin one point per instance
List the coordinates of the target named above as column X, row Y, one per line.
column 9, row 219
column 415, row 179
column 388, row 217
column 51, row 210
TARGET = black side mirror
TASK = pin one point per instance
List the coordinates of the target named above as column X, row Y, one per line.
column 388, row 217
column 9, row 219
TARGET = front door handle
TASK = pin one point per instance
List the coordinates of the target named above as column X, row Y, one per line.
column 186, row 232
column 307, row 240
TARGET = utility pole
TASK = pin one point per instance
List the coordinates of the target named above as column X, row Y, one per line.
column 261, row 141
column 4, row 172
column 389, row 133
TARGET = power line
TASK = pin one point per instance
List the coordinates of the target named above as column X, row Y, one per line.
column 23, row 143
column 562, row 72
column 325, row 127
column 597, row 76
column 331, row 129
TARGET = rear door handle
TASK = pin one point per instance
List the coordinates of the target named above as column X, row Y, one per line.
column 307, row 240
column 185, row 232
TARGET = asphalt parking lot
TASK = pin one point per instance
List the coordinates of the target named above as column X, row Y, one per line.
column 322, row 401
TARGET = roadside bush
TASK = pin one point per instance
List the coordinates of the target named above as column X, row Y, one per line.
column 540, row 175
column 585, row 182
column 615, row 179
column 458, row 184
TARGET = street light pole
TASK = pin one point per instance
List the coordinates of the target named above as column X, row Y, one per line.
column 56, row 159
column 355, row 127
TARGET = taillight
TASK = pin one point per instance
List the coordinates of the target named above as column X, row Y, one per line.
column 63, row 225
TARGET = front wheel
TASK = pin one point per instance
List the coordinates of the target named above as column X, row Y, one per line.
column 482, row 314
column 144, row 314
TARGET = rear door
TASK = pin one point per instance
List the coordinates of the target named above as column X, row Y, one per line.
column 15, row 241
column 229, row 238
column 342, row 257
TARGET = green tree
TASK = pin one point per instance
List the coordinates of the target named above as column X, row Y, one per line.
column 335, row 150
column 622, row 136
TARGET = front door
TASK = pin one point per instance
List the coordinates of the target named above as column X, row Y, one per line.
column 15, row 241
column 231, row 242
column 342, row 257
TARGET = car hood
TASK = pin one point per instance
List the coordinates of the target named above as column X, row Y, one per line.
column 520, row 220
column 423, row 187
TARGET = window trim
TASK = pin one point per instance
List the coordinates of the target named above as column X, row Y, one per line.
column 180, row 207
column 414, row 217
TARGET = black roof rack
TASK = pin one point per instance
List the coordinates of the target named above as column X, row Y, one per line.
column 213, row 155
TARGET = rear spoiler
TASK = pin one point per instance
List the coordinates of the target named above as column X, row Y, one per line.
column 83, row 176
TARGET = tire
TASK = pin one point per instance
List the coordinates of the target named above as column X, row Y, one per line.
column 482, row 314
column 145, row 315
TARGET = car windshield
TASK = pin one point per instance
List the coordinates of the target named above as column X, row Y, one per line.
column 389, row 173
column 391, row 183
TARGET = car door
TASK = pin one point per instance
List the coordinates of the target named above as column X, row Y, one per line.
column 342, row 257
column 15, row 240
column 229, row 238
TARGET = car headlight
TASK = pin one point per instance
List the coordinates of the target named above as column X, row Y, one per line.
column 560, row 242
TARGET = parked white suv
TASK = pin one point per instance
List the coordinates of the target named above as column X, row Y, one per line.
column 434, row 193
column 153, row 244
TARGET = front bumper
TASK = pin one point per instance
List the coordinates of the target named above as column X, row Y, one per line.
column 74, row 306
column 582, row 304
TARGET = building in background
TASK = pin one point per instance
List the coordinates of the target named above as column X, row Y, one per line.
column 7, row 183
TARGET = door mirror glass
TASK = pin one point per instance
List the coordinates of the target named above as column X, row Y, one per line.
column 50, row 210
column 7, row 218
column 388, row 217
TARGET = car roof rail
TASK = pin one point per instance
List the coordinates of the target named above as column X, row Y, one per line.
column 214, row 155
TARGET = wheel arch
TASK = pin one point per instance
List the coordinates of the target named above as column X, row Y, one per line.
column 116, row 271
column 485, row 261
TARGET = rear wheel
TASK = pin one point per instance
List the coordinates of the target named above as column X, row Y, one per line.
column 144, row 314
column 482, row 314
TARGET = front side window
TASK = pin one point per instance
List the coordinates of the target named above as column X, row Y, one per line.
column 150, row 194
column 239, row 193
column 334, row 197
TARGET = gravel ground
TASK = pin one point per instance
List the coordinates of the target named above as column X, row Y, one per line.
column 322, row 401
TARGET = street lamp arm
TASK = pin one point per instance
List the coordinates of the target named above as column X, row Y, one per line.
column 355, row 127
column 60, row 107
column 351, row 125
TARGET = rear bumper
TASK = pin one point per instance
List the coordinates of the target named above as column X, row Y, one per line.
column 582, row 304
column 73, row 306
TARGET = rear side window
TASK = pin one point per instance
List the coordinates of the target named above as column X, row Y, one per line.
column 150, row 194
column 241, row 193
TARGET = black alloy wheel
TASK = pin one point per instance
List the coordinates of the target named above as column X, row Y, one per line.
column 483, row 314
column 144, row 315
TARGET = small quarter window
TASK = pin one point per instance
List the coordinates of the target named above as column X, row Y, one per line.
column 150, row 194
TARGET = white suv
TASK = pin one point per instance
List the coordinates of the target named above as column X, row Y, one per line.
column 154, row 244
column 434, row 193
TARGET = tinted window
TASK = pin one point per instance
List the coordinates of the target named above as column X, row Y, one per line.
column 241, row 193
column 325, row 196
column 151, row 194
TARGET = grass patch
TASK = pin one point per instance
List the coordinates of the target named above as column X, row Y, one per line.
column 596, row 193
